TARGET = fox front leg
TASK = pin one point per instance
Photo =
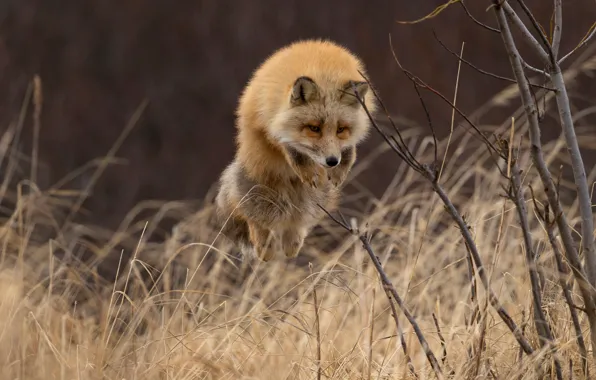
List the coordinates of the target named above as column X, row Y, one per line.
column 292, row 241
column 264, row 241
column 338, row 174
column 305, row 168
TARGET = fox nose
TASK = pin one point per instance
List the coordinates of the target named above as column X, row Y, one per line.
column 331, row 161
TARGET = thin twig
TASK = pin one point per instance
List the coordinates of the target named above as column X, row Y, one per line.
column 392, row 293
column 494, row 301
column 582, row 43
column 370, row 335
column 366, row 241
column 430, row 123
column 524, row 324
column 557, row 27
column 317, row 326
column 515, row 193
column 481, row 71
column 549, row 226
column 441, row 338
column 461, row 2
column 482, row 338
column 539, row 30
column 514, row 18
column 402, row 340
column 537, row 71
column 38, row 104
column 424, row 85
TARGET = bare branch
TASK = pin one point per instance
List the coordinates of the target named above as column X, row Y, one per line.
column 536, row 70
column 517, row 197
column 461, row 2
column 549, row 225
column 402, row 340
column 481, row 71
column 430, row 173
column 584, row 41
column 544, row 173
column 390, row 291
column 539, row 30
column 514, row 18
column 579, row 173
column 423, row 85
column 558, row 27
column 430, row 123
column 465, row 231
column 441, row 338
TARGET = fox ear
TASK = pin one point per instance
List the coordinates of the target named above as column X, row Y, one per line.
column 305, row 90
column 348, row 95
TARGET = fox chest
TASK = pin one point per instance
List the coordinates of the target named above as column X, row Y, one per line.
column 308, row 200
column 285, row 202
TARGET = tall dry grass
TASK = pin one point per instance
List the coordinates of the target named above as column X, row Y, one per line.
column 189, row 308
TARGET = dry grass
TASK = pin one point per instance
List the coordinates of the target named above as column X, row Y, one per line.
column 189, row 309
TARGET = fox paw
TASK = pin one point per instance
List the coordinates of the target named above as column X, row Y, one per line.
column 313, row 177
column 292, row 243
column 292, row 248
column 265, row 254
column 336, row 178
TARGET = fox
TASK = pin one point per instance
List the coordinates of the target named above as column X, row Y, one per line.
column 298, row 123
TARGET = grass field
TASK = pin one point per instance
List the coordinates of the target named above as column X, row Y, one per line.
column 189, row 309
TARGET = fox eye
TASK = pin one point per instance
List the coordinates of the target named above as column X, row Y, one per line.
column 341, row 129
column 315, row 128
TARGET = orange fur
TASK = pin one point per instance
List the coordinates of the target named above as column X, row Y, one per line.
column 298, row 125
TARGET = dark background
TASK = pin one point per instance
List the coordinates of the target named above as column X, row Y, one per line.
column 190, row 60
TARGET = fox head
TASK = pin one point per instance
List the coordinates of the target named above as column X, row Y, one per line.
column 321, row 122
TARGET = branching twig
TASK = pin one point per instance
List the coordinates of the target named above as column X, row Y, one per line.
column 514, row 18
column 579, row 174
column 557, row 27
column 430, row 173
column 516, row 195
column 391, row 292
column 549, row 225
column 577, row 164
column 584, row 41
column 419, row 82
column 429, row 120
column 402, row 340
column 494, row 301
column 537, row 71
column 481, row 71
column 539, row 30
column 461, row 2
column 545, row 175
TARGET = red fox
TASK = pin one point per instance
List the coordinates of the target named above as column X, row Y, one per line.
column 298, row 123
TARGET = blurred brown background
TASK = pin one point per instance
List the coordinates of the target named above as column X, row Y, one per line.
column 190, row 60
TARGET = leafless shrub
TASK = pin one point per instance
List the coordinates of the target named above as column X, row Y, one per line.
column 548, row 51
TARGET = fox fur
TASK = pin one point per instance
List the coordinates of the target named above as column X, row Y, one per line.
column 298, row 124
